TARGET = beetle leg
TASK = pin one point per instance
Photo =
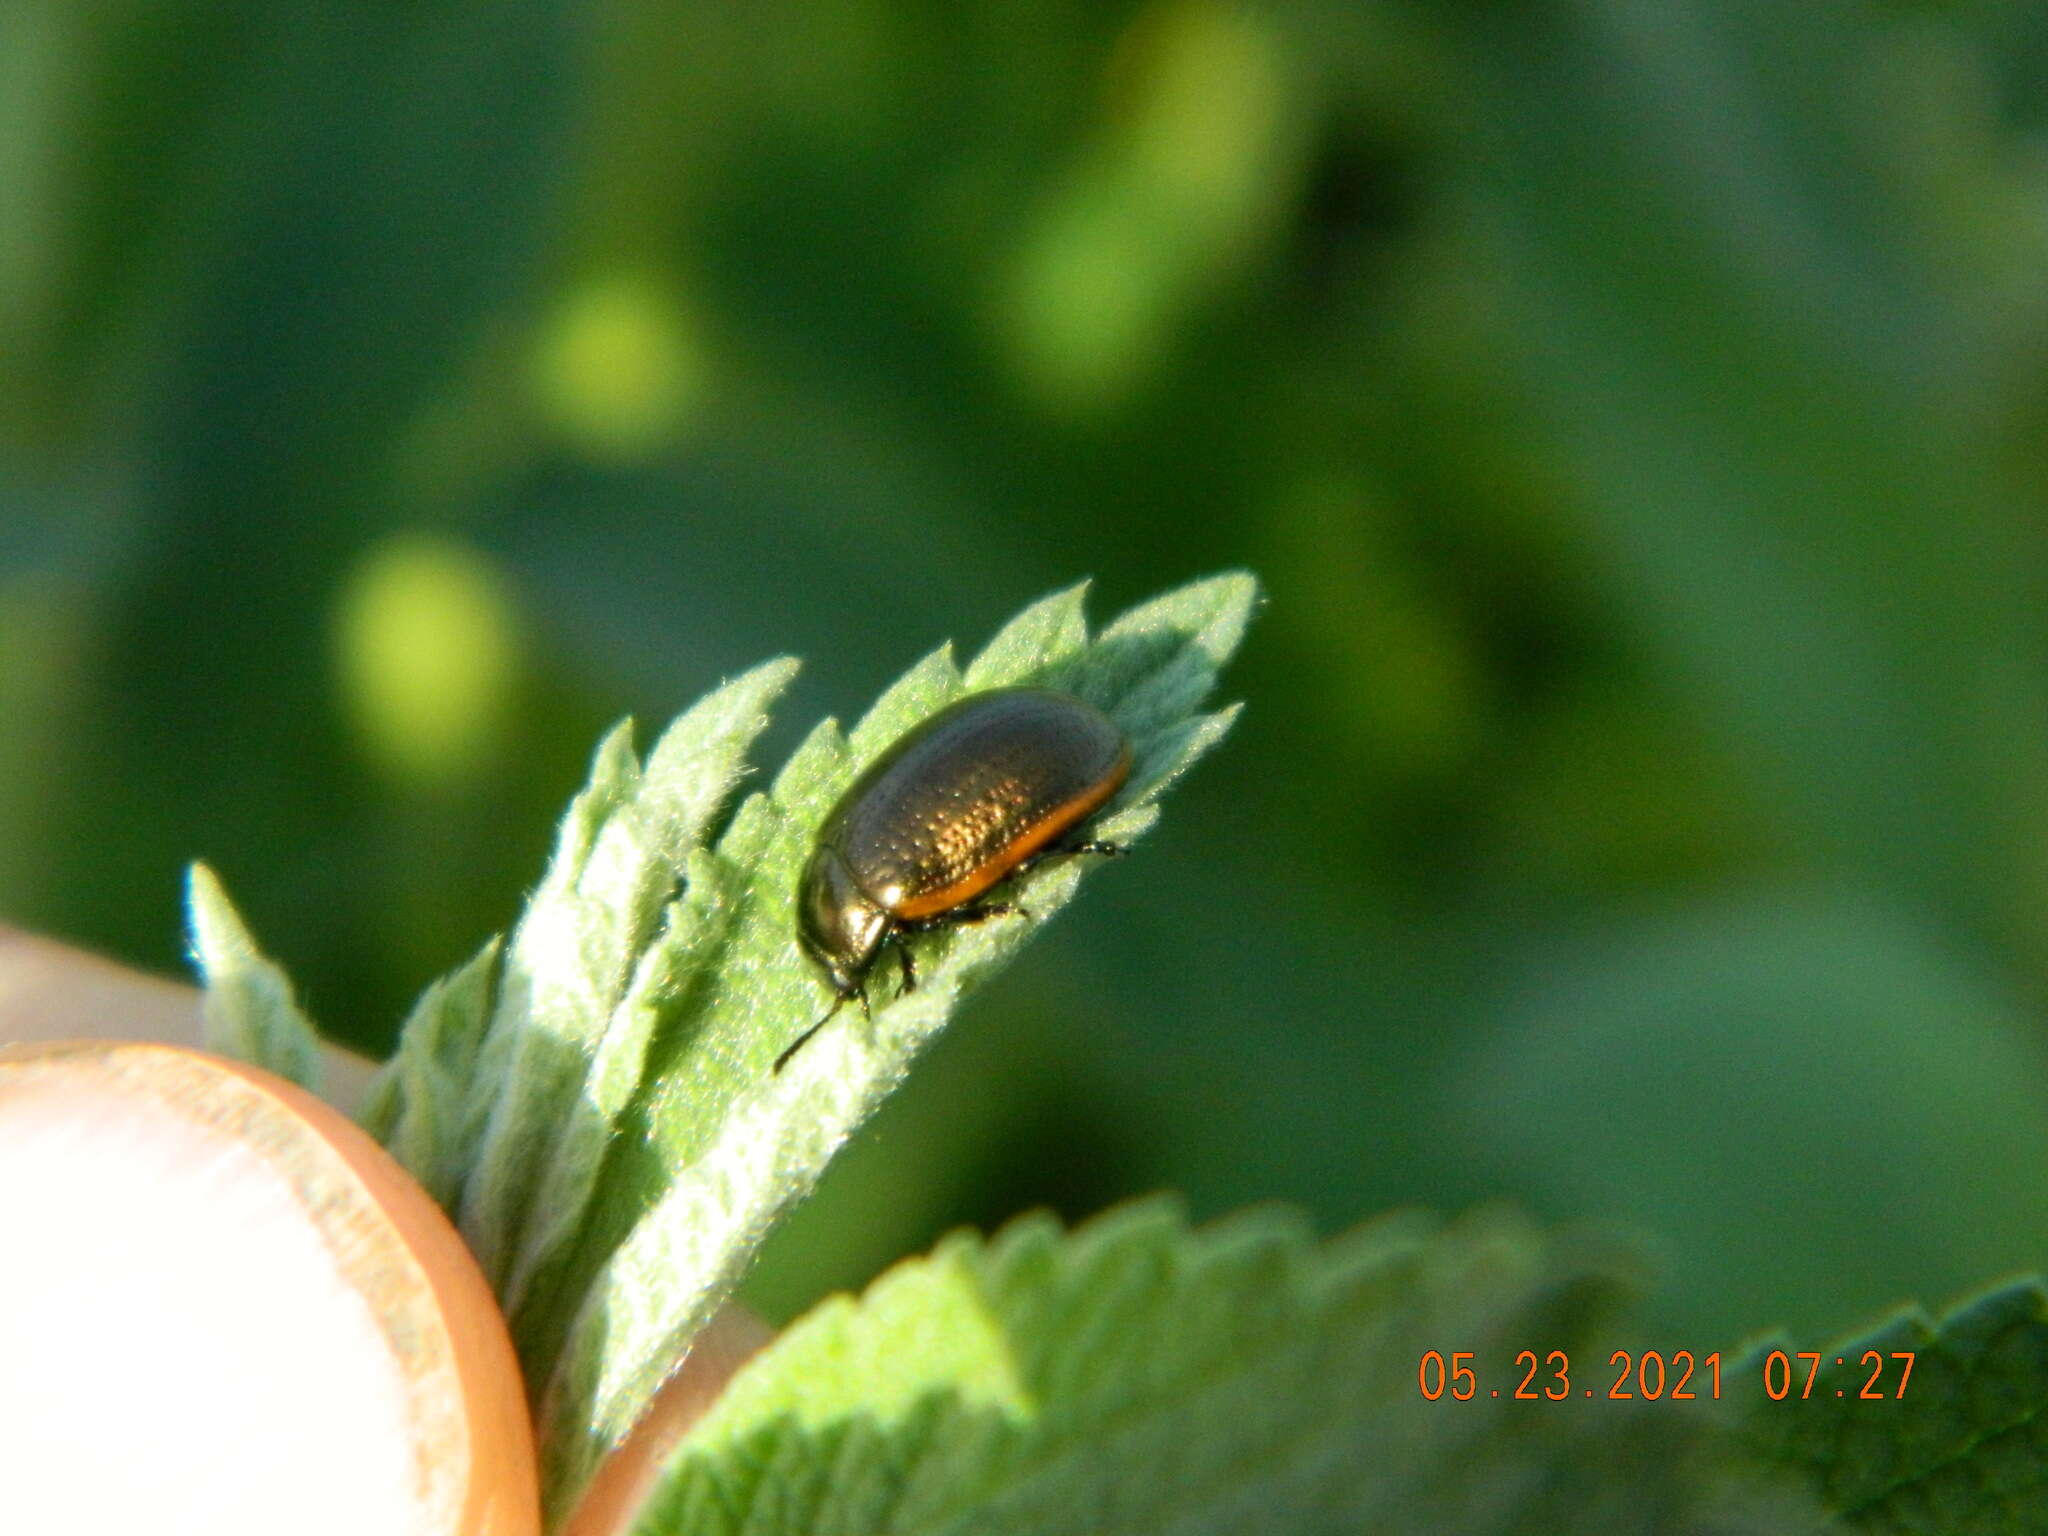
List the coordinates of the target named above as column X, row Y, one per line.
column 963, row 917
column 967, row 917
column 909, row 969
column 1026, row 865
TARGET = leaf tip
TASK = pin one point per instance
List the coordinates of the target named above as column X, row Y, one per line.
column 214, row 929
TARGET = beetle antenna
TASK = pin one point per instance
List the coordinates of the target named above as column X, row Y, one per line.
column 838, row 1002
column 797, row 1044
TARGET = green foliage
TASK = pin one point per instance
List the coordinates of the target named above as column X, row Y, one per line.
column 415, row 1104
column 596, row 955
column 1958, row 1446
column 600, row 1109
column 1635, row 419
column 722, row 1145
column 1137, row 1376
column 595, row 1100
column 1635, row 412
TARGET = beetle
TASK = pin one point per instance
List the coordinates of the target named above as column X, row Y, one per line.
column 970, row 798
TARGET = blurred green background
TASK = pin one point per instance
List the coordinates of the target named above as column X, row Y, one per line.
column 1635, row 411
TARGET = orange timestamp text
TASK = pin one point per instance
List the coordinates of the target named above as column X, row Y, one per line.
column 1654, row 1376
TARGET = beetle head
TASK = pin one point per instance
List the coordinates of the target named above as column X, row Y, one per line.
column 839, row 923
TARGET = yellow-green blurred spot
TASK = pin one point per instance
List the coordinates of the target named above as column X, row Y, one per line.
column 924, row 1328
column 619, row 368
column 425, row 643
column 1091, row 299
column 1205, row 115
column 1193, row 168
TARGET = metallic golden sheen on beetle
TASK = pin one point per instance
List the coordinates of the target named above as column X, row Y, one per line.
column 976, row 794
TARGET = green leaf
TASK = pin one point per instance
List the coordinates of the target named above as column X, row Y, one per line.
column 1135, row 1375
column 414, row 1104
column 575, row 1007
column 721, row 1145
column 1962, row 1450
column 249, row 1011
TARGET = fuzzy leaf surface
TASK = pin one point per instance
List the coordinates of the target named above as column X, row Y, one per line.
column 568, row 1033
column 414, row 1104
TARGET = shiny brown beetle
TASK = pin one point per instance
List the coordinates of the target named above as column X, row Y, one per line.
column 975, row 795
